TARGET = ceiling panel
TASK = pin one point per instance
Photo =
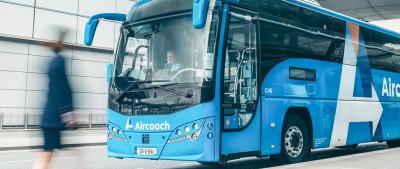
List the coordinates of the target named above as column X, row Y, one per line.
column 370, row 10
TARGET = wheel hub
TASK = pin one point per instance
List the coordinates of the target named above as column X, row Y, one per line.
column 294, row 141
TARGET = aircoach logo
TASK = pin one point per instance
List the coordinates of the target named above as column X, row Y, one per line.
column 147, row 126
column 389, row 88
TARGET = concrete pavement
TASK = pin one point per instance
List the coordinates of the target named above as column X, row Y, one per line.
column 369, row 156
column 25, row 139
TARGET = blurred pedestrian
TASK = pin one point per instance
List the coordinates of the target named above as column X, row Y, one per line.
column 58, row 110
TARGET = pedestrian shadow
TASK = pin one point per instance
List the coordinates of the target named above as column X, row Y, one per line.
column 256, row 163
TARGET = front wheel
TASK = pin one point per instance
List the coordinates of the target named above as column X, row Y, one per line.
column 295, row 141
column 393, row 143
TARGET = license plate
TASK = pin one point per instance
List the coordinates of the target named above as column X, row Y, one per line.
column 146, row 151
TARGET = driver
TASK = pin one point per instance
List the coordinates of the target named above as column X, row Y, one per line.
column 172, row 65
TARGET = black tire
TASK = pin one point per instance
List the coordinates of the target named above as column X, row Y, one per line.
column 297, row 123
column 393, row 143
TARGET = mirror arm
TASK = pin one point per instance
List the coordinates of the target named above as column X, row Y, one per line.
column 93, row 21
column 108, row 16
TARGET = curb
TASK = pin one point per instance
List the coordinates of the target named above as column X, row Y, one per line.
column 37, row 147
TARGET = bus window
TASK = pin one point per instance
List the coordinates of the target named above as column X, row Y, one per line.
column 240, row 73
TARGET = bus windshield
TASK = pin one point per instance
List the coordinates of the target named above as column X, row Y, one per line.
column 161, row 66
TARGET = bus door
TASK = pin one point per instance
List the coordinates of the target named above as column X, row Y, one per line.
column 241, row 119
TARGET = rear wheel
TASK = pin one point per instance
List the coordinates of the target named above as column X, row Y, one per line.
column 393, row 143
column 295, row 141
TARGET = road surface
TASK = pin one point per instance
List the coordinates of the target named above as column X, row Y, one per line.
column 367, row 156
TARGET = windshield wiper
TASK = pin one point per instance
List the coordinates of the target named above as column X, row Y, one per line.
column 136, row 83
column 189, row 94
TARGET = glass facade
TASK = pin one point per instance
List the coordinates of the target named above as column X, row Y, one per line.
column 23, row 61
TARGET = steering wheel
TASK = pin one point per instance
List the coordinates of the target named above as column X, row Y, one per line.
column 184, row 70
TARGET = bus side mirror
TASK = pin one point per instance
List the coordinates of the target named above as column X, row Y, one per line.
column 93, row 21
column 90, row 29
column 200, row 8
column 110, row 68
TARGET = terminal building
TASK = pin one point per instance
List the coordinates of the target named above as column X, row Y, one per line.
column 26, row 24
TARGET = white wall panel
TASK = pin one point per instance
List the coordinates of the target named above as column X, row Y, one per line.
column 89, row 7
column 34, row 111
column 88, row 84
column 87, row 68
column 47, row 23
column 104, row 36
column 13, row 62
column 36, row 99
column 20, row 23
column 91, row 56
column 12, row 98
column 46, row 51
column 70, row 6
column 13, row 47
column 11, row 111
column 12, row 80
column 26, row 2
column 37, row 82
column 40, row 64
column 90, row 101
column 123, row 6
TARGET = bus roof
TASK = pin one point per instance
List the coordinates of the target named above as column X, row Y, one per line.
column 323, row 11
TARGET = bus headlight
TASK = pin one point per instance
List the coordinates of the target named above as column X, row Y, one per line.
column 189, row 133
column 178, row 132
column 187, row 129
column 114, row 129
column 195, row 126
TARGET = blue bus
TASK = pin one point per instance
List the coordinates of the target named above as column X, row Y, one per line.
column 216, row 80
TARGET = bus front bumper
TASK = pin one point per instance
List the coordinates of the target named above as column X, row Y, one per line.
column 193, row 144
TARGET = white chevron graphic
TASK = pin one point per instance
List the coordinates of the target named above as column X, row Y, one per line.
column 350, row 108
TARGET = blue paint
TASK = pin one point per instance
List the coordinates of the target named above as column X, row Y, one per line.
column 90, row 29
column 363, row 75
column 141, row 2
column 110, row 68
column 232, row 141
column 199, row 17
column 359, row 132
